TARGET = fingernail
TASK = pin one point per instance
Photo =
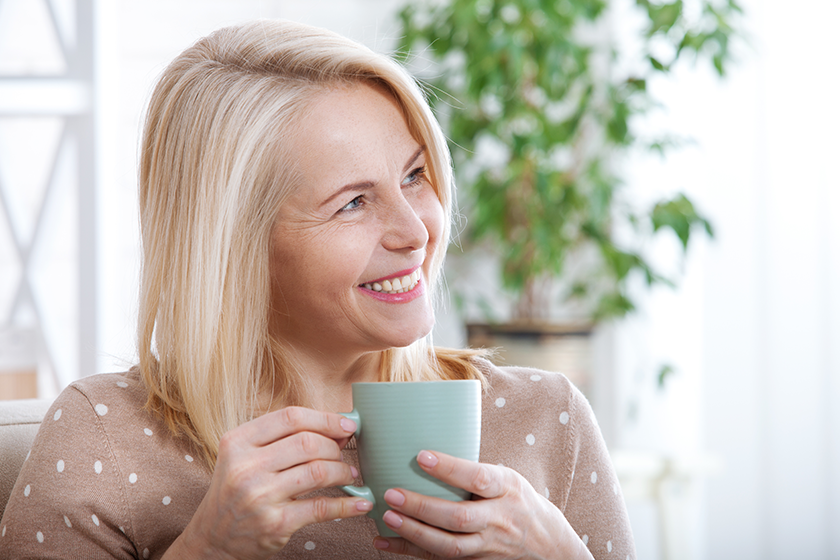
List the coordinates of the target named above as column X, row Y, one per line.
column 347, row 425
column 394, row 498
column 381, row 544
column 391, row 519
column 427, row 459
column 364, row 505
column 354, row 471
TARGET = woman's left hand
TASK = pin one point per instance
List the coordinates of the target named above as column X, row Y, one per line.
column 507, row 518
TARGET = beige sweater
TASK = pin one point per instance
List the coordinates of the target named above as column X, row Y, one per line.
column 106, row 480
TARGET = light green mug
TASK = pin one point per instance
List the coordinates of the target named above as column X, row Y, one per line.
column 397, row 420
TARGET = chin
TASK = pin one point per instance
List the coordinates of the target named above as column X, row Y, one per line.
column 408, row 339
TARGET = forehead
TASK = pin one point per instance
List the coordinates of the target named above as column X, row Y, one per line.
column 348, row 122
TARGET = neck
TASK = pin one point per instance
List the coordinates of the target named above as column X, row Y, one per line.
column 331, row 377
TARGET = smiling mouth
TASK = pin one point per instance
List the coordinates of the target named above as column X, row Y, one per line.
column 397, row 285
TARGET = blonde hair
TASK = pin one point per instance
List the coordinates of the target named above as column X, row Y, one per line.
column 214, row 171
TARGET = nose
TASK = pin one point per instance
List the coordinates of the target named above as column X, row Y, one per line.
column 405, row 229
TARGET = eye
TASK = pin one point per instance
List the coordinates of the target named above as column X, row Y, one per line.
column 353, row 204
column 415, row 176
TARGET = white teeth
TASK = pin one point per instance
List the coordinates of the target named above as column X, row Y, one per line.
column 396, row 285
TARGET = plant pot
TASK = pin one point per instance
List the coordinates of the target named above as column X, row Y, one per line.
column 563, row 348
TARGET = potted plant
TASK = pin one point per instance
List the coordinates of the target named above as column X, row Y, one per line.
column 539, row 115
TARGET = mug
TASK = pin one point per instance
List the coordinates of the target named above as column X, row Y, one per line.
column 397, row 420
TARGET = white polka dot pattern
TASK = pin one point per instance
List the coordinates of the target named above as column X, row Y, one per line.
column 526, row 401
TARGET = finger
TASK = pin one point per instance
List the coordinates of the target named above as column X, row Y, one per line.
column 311, row 476
column 486, row 481
column 319, row 509
column 419, row 539
column 281, row 423
column 297, row 449
column 457, row 517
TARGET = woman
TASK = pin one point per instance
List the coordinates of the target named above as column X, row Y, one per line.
column 295, row 199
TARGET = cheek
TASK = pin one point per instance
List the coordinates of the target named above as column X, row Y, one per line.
column 319, row 265
column 432, row 216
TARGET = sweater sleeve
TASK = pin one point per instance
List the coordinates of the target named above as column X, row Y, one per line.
column 68, row 501
column 594, row 505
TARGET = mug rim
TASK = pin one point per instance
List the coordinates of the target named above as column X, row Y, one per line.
column 416, row 382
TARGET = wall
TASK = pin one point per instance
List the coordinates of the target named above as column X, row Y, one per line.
column 755, row 327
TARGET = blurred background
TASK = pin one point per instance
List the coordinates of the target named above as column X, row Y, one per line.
column 735, row 453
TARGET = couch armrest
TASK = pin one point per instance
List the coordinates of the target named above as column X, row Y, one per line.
column 19, row 422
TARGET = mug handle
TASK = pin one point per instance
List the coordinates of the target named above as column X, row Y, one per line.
column 358, row 491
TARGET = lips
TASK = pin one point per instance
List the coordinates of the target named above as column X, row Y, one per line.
column 395, row 284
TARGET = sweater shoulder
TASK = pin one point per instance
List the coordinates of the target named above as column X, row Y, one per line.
column 535, row 388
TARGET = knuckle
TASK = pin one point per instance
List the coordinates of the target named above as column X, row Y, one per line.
column 238, row 476
column 293, row 416
column 278, row 523
column 463, row 518
column 227, row 443
column 321, row 509
column 307, row 444
column 415, row 535
column 317, row 472
column 483, row 479
column 421, row 509
column 453, row 549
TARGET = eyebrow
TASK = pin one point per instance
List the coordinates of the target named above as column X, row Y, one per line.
column 362, row 185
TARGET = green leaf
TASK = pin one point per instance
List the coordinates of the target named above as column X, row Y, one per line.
column 539, row 209
column 655, row 62
column 663, row 17
column 666, row 371
column 680, row 216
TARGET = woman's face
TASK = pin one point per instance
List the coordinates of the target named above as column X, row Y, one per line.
column 364, row 220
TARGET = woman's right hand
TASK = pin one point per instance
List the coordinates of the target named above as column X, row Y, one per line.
column 250, row 510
